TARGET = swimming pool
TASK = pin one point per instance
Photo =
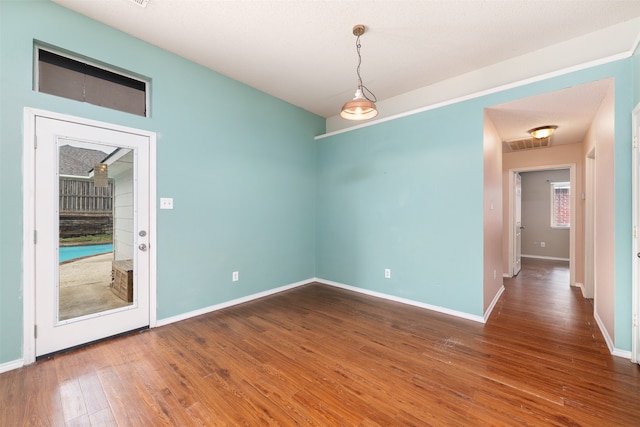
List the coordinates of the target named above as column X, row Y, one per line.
column 72, row 252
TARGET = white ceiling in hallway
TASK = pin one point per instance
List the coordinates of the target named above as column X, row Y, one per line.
column 571, row 109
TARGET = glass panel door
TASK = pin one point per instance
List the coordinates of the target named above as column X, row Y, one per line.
column 92, row 222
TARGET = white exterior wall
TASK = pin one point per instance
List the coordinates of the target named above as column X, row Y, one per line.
column 123, row 209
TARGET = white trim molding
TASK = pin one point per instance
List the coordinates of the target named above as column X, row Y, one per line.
column 10, row 366
column 625, row 354
column 28, row 249
column 612, row 349
column 635, row 267
column 226, row 304
column 436, row 308
column 487, row 313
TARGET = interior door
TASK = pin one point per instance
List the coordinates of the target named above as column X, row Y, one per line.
column 91, row 183
column 517, row 223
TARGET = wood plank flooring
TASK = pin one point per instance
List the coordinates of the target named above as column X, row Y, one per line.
column 322, row 356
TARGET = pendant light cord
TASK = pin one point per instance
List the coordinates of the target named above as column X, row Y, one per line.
column 362, row 87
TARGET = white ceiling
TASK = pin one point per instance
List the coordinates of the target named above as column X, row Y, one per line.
column 303, row 51
column 571, row 109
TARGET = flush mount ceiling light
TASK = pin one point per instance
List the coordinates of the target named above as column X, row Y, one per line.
column 361, row 107
column 542, row 131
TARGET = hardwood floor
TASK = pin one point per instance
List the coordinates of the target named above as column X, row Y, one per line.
column 318, row 355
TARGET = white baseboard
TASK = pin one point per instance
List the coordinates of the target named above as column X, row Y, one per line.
column 444, row 310
column 209, row 309
column 205, row 310
column 612, row 349
column 493, row 304
column 621, row 353
column 550, row 258
column 9, row 366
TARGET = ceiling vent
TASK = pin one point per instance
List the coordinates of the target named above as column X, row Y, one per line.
column 141, row 3
column 528, row 144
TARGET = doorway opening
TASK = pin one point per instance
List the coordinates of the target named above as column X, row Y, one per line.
column 584, row 116
column 535, row 214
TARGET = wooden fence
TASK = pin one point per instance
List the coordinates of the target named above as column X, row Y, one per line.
column 84, row 208
column 80, row 195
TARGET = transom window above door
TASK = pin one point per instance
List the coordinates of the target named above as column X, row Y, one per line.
column 71, row 77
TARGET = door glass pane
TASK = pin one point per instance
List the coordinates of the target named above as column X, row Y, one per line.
column 95, row 229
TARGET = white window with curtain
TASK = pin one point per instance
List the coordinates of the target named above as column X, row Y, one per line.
column 560, row 205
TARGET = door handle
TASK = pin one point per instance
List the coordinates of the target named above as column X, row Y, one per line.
column 142, row 247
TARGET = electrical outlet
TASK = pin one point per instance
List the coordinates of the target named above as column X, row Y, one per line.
column 387, row 273
column 234, row 276
column 166, row 203
column 494, row 275
column 542, row 244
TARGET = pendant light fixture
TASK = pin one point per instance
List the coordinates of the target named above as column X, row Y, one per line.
column 361, row 107
column 542, row 131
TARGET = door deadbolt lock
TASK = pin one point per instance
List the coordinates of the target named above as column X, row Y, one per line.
column 142, row 233
column 142, row 247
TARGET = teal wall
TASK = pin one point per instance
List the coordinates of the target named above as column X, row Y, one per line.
column 407, row 195
column 624, row 105
column 391, row 196
column 243, row 187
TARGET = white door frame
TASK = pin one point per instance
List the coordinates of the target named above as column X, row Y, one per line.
column 572, row 230
column 28, row 212
column 635, row 286
column 589, row 289
column 517, row 241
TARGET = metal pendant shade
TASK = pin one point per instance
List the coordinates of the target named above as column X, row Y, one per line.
column 360, row 107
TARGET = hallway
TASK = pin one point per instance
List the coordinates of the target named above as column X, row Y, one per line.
column 540, row 296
